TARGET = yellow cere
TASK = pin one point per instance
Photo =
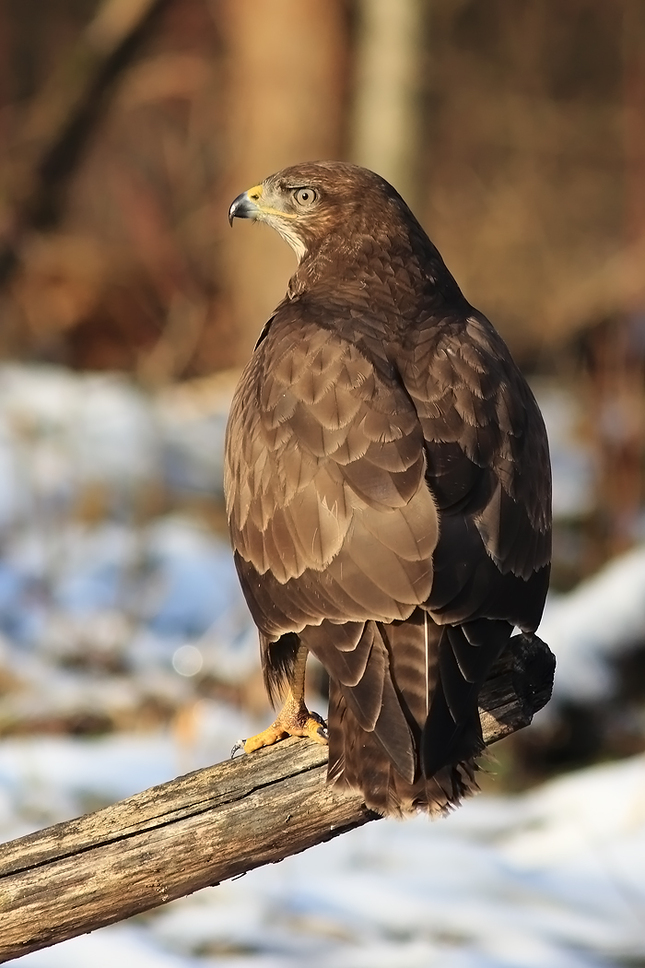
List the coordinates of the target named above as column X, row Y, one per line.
column 255, row 194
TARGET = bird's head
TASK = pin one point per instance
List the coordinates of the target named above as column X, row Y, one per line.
column 319, row 201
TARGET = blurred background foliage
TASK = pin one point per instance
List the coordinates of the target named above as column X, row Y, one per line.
column 515, row 131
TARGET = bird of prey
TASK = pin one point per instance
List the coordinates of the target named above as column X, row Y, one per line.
column 388, row 491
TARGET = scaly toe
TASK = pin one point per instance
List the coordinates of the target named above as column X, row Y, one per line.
column 272, row 734
column 303, row 723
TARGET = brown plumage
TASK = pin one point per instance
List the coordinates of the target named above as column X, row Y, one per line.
column 388, row 487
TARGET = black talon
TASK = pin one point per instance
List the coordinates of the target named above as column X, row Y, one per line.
column 323, row 731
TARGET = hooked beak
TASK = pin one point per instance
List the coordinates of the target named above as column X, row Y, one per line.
column 245, row 205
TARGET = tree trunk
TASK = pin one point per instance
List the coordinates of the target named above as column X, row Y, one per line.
column 387, row 110
column 284, row 106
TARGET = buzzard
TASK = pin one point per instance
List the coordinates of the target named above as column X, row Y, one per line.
column 388, row 491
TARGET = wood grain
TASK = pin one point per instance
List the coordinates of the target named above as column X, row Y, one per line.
column 210, row 825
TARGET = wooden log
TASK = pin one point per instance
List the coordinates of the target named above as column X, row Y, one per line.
column 210, row 825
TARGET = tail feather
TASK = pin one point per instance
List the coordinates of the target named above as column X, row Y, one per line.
column 357, row 761
column 421, row 751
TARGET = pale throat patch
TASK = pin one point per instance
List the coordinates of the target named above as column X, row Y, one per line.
column 289, row 236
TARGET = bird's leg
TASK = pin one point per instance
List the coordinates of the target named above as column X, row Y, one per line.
column 294, row 719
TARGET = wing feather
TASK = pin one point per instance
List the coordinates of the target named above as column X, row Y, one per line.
column 348, row 464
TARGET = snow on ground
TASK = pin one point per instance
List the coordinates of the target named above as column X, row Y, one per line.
column 572, row 462
column 105, row 612
column 102, row 618
column 103, row 608
column 604, row 615
column 594, row 623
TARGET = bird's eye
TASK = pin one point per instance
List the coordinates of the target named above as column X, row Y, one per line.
column 305, row 196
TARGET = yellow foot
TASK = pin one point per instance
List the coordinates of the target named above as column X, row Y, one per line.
column 289, row 722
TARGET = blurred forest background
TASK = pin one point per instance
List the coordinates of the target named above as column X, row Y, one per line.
column 515, row 131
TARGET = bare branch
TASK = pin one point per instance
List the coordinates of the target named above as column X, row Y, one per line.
column 62, row 118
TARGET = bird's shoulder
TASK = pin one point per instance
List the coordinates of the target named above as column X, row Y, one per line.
column 487, row 467
column 467, row 390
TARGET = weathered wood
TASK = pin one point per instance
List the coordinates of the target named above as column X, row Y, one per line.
column 208, row 826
